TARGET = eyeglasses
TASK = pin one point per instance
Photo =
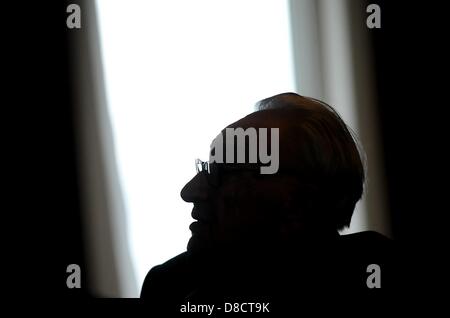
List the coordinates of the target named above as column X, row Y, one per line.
column 211, row 171
column 201, row 166
column 214, row 171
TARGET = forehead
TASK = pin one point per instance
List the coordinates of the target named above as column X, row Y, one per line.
column 291, row 138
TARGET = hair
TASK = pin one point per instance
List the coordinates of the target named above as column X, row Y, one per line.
column 328, row 153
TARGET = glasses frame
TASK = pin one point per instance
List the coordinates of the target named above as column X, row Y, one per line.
column 202, row 166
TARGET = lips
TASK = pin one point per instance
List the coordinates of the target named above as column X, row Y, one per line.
column 201, row 228
column 201, row 214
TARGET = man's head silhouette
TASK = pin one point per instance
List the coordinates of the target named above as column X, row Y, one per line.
column 274, row 236
column 314, row 191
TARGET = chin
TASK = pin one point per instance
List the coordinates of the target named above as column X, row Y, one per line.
column 198, row 244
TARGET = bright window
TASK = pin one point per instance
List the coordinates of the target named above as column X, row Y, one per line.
column 176, row 73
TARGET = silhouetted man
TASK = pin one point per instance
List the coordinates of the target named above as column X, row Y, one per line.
column 272, row 238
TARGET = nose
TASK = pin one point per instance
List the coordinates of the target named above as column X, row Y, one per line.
column 196, row 189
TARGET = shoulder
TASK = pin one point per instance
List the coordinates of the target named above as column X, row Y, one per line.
column 166, row 277
column 367, row 250
column 368, row 244
column 365, row 240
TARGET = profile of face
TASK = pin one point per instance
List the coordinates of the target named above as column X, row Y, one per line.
column 238, row 207
column 312, row 194
column 240, row 212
